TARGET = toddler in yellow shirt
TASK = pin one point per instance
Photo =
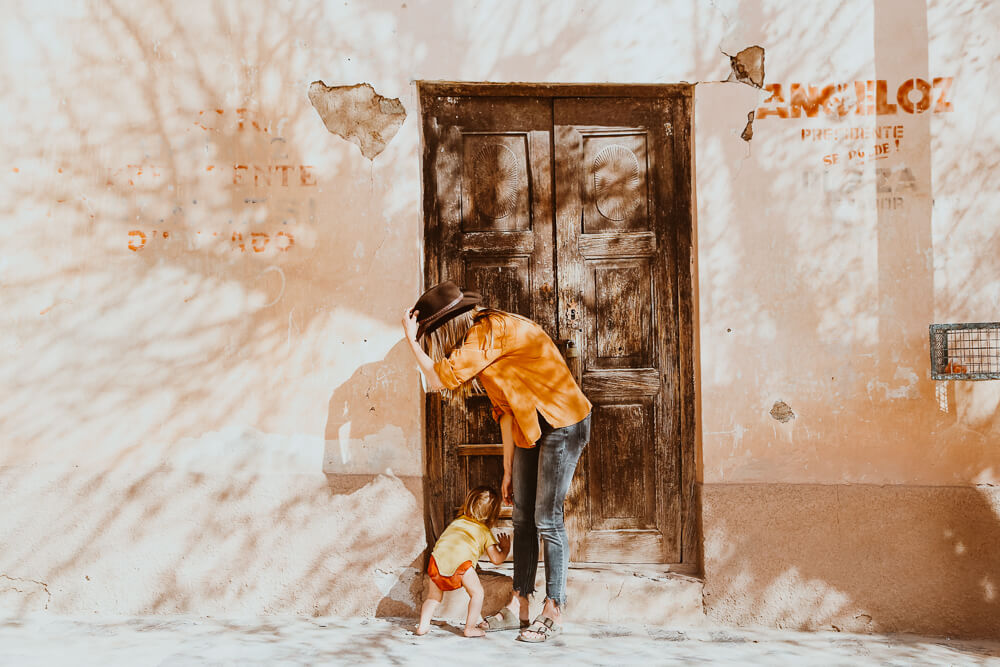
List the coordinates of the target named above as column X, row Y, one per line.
column 453, row 560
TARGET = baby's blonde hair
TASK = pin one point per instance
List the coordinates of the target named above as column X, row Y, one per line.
column 482, row 504
column 439, row 343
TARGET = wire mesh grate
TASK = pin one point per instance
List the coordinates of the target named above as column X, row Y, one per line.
column 965, row 351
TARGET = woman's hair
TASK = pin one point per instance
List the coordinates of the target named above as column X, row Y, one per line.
column 482, row 504
column 439, row 343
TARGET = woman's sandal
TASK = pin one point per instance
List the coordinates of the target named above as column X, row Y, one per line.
column 504, row 619
column 543, row 626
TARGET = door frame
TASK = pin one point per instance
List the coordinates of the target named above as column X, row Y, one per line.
column 436, row 517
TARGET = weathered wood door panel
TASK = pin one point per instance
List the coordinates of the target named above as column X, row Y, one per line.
column 614, row 186
column 491, row 166
column 568, row 210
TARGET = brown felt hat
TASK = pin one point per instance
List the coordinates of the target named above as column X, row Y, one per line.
column 441, row 303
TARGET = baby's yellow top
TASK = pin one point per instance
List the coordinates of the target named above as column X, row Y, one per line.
column 464, row 539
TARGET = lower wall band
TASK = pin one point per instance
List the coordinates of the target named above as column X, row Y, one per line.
column 854, row 557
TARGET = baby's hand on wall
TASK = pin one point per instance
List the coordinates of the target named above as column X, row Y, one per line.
column 504, row 540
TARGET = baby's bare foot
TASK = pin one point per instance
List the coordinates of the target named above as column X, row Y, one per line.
column 474, row 632
column 422, row 629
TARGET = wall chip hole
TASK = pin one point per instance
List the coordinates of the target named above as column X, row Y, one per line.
column 782, row 412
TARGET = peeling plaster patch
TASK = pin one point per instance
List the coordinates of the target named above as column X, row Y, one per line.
column 748, row 66
column 748, row 130
column 782, row 412
column 398, row 584
column 358, row 114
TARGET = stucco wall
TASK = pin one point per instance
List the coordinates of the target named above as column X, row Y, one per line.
column 208, row 404
column 842, row 486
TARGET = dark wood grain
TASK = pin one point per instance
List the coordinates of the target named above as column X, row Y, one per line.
column 623, row 292
column 622, row 321
column 498, row 243
column 627, row 301
column 668, row 446
column 480, row 449
column 682, row 224
column 623, row 384
column 500, row 280
column 621, row 244
column 615, row 187
column 488, row 191
column 480, row 425
column 621, row 484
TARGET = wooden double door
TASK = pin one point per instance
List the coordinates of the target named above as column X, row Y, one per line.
column 571, row 206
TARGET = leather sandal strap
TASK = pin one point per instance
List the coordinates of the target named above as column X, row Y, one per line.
column 539, row 627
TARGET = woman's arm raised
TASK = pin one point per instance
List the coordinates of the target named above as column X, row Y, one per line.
column 425, row 362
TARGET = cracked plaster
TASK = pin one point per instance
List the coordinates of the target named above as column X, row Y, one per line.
column 358, row 114
column 28, row 588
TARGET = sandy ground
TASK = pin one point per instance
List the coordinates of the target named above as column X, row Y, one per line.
column 175, row 641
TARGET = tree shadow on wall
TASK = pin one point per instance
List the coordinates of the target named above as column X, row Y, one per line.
column 365, row 436
column 364, row 429
column 853, row 557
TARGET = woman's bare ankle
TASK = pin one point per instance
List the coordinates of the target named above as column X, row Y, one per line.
column 519, row 605
column 551, row 610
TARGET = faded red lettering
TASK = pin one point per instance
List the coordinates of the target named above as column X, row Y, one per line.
column 943, row 85
column 259, row 236
column 882, row 105
column 237, row 176
column 288, row 237
column 261, row 174
column 865, row 93
column 283, row 168
column 136, row 240
column 775, row 98
column 809, row 99
column 871, row 97
column 903, row 96
column 306, row 177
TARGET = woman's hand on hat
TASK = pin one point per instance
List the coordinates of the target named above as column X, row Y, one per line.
column 410, row 323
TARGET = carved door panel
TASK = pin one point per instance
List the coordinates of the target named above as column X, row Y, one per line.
column 590, row 250
column 614, row 189
column 492, row 228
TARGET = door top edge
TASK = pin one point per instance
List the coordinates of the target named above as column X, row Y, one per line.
column 527, row 89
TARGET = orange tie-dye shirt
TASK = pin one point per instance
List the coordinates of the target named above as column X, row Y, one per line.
column 522, row 371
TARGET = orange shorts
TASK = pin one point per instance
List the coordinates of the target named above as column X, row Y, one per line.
column 452, row 583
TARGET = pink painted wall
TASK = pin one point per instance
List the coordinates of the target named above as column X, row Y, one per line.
column 820, row 268
column 208, row 408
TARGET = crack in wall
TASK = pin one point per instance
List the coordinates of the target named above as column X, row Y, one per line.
column 358, row 114
column 747, row 67
column 45, row 587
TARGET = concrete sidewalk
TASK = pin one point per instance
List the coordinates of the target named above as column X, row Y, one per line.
column 175, row 641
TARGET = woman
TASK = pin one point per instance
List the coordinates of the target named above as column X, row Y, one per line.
column 544, row 424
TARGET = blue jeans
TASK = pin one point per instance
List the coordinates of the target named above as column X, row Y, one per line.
column 541, row 477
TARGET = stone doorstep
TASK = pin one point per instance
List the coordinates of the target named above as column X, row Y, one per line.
column 598, row 593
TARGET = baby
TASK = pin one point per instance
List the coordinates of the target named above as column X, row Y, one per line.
column 453, row 560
